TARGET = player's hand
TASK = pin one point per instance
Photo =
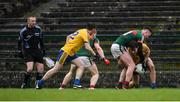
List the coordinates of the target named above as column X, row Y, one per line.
column 20, row 54
column 106, row 61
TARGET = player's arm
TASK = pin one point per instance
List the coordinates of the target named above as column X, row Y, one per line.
column 147, row 53
column 85, row 38
column 144, row 53
column 19, row 43
column 101, row 52
column 88, row 47
column 41, row 40
column 20, row 53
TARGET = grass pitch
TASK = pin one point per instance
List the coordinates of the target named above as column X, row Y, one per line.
column 144, row 94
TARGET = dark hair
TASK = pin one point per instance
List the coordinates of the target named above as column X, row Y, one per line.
column 90, row 26
column 149, row 28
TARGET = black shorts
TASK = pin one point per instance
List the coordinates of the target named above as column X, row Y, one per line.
column 33, row 55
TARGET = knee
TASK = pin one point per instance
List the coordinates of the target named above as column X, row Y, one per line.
column 29, row 70
column 41, row 70
column 152, row 68
column 96, row 74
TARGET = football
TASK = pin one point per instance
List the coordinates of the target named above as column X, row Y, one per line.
column 139, row 69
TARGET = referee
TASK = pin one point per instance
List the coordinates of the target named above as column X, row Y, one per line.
column 31, row 47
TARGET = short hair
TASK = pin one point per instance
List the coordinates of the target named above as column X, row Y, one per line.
column 90, row 26
column 148, row 28
column 28, row 18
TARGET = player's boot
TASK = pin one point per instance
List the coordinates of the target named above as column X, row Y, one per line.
column 39, row 84
column 119, row 85
column 91, row 88
column 77, row 86
column 23, row 86
column 62, row 86
column 153, row 85
column 125, row 85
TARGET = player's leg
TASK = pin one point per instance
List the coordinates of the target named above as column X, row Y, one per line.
column 68, row 77
column 130, row 65
column 39, row 65
column 122, row 76
column 152, row 70
column 95, row 75
column 121, row 53
column 132, row 82
column 27, row 75
column 28, row 58
column 49, row 74
column 135, row 80
column 79, row 72
column 62, row 57
column 40, row 70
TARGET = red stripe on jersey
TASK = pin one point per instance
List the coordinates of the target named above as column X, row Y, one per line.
column 134, row 32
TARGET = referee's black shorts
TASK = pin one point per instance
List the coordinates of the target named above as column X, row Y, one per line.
column 33, row 55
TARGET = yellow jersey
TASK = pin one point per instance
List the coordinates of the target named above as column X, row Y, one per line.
column 75, row 41
column 136, row 57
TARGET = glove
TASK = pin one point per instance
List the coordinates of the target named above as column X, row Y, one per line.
column 20, row 54
column 96, row 58
column 44, row 52
column 106, row 61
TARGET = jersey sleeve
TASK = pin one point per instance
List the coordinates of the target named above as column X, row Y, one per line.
column 84, row 36
column 20, row 38
column 138, row 35
column 96, row 39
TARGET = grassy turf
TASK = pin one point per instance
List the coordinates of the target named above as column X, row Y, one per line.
column 144, row 94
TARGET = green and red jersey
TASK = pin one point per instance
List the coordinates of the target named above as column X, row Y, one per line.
column 134, row 35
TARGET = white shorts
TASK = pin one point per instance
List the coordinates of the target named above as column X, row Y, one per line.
column 117, row 50
column 87, row 62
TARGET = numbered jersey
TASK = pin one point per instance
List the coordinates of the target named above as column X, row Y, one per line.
column 75, row 41
column 125, row 38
